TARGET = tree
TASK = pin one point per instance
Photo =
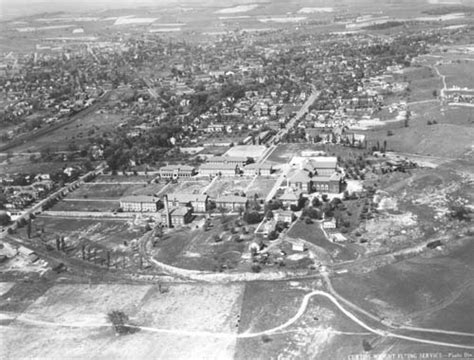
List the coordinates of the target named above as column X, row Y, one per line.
column 28, row 229
column 252, row 217
column 119, row 321
column 4, row 218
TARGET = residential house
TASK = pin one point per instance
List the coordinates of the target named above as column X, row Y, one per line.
column 284, row 215
column 329, row 223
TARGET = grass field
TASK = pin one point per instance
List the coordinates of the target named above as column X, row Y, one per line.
column 86, row 205
column 228, row 186
column 114, row 191
column 261, row 187
column 426, row 292
column 314, row 234
column 187, row 186
column 180, row 323
column 76, row 132
column 459, row 74
column 197, row 249
column 23, row 164
column 109, row 233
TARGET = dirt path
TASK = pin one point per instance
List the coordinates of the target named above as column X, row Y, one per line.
column 276, row 330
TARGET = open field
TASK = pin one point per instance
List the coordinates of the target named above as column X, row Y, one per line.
column 253, row 151
column 197, row 249
column 314, row 234
column 228, row 186
column 86, row 205
column 261, row 187
column 108, row 178
column 187, row 186
column 423, row 82
column 459, row 74
column 79, row 130
column 23, row 164
column 444, row 140
column 108, row 233
column 423, row 292
column 316, row 330
column 187, row 319
column 113, row 191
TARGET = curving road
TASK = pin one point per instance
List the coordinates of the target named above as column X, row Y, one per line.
column 276, row 330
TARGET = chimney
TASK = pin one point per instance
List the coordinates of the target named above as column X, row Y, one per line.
column 167, row 211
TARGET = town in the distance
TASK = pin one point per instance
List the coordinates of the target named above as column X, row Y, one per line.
column 264, row 180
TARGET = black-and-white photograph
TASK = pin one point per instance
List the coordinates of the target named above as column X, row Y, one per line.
column 237, row 179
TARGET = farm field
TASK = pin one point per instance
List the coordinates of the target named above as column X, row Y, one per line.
column 174, row 322
column 261, row 187
column 228, row 186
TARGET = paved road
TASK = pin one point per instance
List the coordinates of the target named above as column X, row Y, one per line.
column 304, row 109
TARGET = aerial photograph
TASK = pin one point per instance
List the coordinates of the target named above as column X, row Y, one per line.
column 237, row 179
